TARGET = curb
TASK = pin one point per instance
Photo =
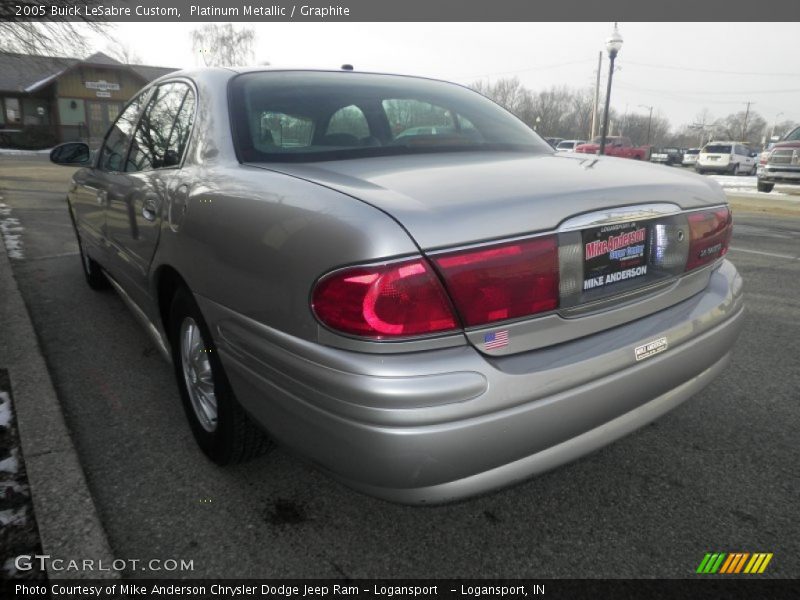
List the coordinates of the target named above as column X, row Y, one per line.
column 69, row 526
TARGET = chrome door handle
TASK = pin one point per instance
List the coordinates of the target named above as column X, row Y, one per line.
column 149, row 209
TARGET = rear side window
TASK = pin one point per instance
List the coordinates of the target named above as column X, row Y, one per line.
column 163, row 130
column 112, row 155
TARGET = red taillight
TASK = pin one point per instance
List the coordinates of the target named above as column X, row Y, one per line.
column 384, row 301
column 710, row 234
column 502, row 282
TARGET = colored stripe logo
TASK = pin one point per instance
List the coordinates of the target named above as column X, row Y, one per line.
column 734, row 563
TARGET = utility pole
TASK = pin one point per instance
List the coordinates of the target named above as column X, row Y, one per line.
column 744, row 125
column 649, row 120
column 774, row 124
column 596, row 95
column 702, row 128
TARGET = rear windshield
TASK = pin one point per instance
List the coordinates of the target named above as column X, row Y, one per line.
column 717, row 149
column 309, row 116
column 567, row 145
column 693, row 151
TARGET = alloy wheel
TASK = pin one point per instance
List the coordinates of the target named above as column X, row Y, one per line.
column 197, row 374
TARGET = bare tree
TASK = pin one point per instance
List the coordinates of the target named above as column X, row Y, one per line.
column 731, row 127
column 224, row 46
column 508, row 93
column 123, row 53
column 51, row 38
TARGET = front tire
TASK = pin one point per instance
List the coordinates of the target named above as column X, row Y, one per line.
column 765, row 187
column 220, row 426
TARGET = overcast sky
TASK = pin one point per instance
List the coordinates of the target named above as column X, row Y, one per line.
column 678, row 68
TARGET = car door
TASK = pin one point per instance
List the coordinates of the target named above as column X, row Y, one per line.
column 135, row 209
column 89, row 193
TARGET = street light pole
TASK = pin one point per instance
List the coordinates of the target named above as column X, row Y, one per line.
column 613, row 45
column 774, row 123
column 596, row 95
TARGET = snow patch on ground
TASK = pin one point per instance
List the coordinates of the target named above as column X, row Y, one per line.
column 13, row 516
column 739, row 185
column 10, row 464
column 11, row 232
column 16, row 511
column 5, row 410
column 18, row 152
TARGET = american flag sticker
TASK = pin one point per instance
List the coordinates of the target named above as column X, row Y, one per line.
column 496, row 339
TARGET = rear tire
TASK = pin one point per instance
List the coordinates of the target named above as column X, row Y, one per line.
column 699, row 171
column 735, row 169
column 765, row 187
column 224, row 432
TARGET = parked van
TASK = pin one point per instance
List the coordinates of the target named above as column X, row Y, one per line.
column 568, row 145
column 733, row 158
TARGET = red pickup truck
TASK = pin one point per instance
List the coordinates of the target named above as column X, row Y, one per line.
column 616, row 146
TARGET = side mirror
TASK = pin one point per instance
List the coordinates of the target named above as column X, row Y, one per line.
column 71, row 154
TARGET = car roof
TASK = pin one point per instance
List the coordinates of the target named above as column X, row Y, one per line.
column 203, row 73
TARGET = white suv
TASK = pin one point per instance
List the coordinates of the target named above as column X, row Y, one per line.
column 726, row 157
column 568, row 145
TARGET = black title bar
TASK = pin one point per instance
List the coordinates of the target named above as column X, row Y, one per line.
column 396, row 11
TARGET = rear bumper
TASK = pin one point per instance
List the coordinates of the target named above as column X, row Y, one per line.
column 725, row 168
column 446, row 424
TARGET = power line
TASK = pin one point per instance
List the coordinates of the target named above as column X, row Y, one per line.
column 687, row 93
column 716, row 71
column 540, row 68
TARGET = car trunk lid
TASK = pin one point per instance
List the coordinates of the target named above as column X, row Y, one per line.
column 453, row 199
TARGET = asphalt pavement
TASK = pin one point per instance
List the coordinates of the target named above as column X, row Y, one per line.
column 720, row 473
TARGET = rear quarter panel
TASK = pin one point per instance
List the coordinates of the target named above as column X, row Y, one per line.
column 255, row 241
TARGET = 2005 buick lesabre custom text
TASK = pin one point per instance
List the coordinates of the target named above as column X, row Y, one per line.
column 399, row 279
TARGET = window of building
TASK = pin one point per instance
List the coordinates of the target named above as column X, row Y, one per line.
column 12, row 112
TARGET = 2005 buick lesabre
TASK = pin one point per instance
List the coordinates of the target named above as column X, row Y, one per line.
column 399, row 279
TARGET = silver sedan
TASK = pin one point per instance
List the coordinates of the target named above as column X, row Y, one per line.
column 399, row 279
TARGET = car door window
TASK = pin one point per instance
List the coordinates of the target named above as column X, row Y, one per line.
column 163, row 130
column 112, row 154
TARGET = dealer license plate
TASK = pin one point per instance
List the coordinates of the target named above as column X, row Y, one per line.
column 613, row 254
